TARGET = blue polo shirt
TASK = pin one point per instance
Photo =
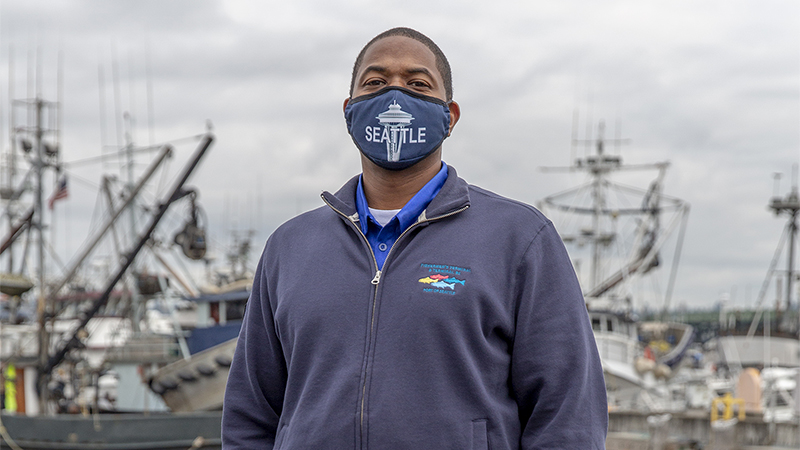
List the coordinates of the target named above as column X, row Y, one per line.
column 382, row 238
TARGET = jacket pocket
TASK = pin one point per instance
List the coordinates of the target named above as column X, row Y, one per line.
column 480, row 440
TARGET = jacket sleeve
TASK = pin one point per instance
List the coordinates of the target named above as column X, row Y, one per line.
column 257, row 379
column 556, row 374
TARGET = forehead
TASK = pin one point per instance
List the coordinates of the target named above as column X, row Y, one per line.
column 399, row 50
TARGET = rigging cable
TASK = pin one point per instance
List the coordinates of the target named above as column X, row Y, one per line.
column 676, row 258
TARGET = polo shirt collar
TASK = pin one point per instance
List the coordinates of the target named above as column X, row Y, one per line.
column 411, row 211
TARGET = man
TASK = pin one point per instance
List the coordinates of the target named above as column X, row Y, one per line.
column 413, row 311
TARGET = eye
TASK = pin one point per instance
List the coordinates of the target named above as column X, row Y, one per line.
column 420, row 84
column 374, row 82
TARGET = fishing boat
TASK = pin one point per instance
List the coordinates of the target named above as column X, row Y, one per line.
column 623, row 232
column 657, row 397
column 75, row 355
column 772, row 338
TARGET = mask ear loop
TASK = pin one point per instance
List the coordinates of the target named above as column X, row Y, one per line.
column 449, row 118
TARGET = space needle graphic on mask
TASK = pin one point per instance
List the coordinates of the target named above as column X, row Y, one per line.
column 394, row 120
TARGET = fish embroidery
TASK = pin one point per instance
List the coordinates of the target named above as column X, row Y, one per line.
column 440, row 281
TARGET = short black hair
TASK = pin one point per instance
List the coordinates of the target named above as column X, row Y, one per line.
column 441, row 61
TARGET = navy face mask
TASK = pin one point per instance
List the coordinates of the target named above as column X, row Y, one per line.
column 395, row 127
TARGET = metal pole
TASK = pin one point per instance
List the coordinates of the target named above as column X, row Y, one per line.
column 42, row 306
column 117, row 249
column 790, row 264
column 110, row 200
column 15, row 231
column 598, row 205
column 136, row 300
column 12, row 167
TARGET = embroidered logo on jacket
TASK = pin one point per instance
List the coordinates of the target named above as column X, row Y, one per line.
column 442, row 278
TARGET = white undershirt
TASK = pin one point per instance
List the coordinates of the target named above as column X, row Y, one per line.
column 383, row 216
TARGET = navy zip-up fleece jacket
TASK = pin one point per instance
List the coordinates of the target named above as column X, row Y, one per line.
column 473, row 336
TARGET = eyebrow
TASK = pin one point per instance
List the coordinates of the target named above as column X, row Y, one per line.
column 421, row 70
column 383, row 69
column 374, row 68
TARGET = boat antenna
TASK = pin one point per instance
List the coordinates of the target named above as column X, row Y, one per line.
column 149, row 77
column 587, row 150
column 59, row 100
column 38, row 74
column 29, row 83
column 259, row 201
column 132, row 101
column 776, row 185
column 101, row 85
column 115, row 82
column 574, row 141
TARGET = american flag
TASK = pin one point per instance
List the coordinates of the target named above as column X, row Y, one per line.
column 61, row 192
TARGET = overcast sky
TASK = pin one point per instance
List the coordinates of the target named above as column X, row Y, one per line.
column 711, row 86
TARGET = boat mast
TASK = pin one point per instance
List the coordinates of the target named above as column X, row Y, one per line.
column 645, row 249
column 790, row 205
column 136, row 302
column 41, row 306
column 597, row 166
column 12, row 163
column 42, row 158
column 599, row 204
column 39, row 123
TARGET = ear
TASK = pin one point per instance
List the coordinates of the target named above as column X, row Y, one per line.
column 455, row 114
column 346, row 101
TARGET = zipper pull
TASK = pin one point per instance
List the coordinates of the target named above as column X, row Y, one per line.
column 377, row 278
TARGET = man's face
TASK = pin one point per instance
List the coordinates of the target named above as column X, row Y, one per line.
column 399, row 61
column 404, row 62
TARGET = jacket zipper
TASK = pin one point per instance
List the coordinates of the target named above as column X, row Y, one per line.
column 375, row 282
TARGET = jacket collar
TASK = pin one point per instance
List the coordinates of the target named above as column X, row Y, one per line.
column 453, row 196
